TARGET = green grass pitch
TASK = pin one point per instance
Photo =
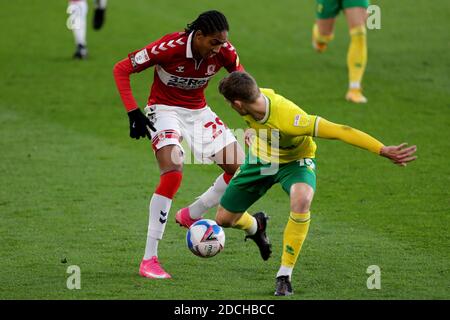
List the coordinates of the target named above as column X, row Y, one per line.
column 75, row 188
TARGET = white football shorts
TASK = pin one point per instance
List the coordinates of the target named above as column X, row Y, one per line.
column 201, row 129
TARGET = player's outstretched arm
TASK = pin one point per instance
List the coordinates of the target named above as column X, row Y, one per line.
column 400, row 154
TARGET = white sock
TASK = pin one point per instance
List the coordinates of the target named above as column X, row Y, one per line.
column 355, row 85
column 79, row 9
column 285, row 271
column 159, row 213
column 151, row 247
column 209, row 199
column 101, row 4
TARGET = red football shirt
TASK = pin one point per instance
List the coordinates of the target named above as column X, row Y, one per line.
column 179, row 79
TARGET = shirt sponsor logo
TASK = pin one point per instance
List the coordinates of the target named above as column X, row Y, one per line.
column 186, row 83
column 181, row 82
column 141, row 57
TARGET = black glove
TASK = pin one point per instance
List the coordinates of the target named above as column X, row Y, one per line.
column 140, row 125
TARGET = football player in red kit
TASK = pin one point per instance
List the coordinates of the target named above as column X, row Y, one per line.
column 183, row 62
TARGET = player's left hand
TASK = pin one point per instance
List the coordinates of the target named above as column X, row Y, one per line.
column 400, row 154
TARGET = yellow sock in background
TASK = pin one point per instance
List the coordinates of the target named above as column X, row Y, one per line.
column 357, row 56
column 293, row 238
column 319, row 37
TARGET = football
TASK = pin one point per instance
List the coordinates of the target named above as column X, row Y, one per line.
column 205, row 238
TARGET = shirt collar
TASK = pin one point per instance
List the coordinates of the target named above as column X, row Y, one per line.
column 266, row 116
column 189, row 46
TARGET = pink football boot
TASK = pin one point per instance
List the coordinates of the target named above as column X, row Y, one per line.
column 152, row 269
column 184, row 219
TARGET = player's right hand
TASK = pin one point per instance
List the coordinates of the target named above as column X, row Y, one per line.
column 140, row 125
column 400, row 154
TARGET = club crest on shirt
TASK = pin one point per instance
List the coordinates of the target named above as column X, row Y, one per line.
column 211, row 69
column 180, row 69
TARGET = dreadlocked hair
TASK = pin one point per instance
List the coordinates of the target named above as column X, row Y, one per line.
column 208, row 23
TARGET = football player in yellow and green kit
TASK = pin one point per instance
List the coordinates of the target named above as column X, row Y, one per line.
column 283, row 151
column 356, row 13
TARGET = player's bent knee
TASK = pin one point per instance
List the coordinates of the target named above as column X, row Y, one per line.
column 301, row 204
column 170, row 158
column 301, row 197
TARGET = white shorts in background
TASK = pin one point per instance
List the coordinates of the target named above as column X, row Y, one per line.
column 201, row 129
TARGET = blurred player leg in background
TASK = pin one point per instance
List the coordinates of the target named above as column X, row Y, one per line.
column 99, row 14
column 322, row 34
column 326, row 12
column 356, row 14
column 357, row 52
column 78, row 11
